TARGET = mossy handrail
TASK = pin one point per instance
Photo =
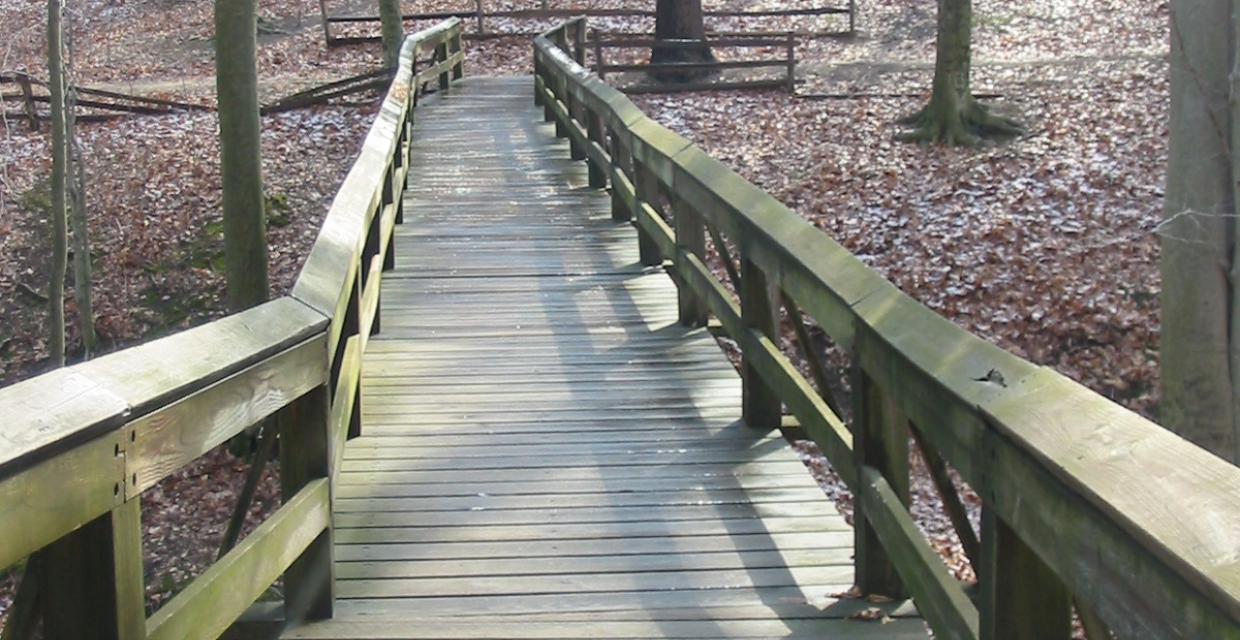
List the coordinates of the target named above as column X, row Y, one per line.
column 81, row 444
column 1085, row 502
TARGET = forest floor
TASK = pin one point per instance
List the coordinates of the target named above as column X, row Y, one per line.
column 1047, row 246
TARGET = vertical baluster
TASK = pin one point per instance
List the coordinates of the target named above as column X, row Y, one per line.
column 647, row 188
column 441, row 54
column 1020, row 597
column 690, row 239
column 880, row 441
column 622, row 163
column 305, row 455
column 762, row 406
column 93, row 587
column 458, row 69
column 539, row 80
column 575, row 114
column 579, row 41
column 597, row 132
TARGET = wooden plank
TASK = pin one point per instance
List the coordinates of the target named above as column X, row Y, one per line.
column 173, row 436
column 223, row 592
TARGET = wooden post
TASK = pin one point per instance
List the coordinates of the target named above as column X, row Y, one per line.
column 852, row 16
column 597, row 133
column 622, row 162
column 94, row 583
column 305, row 455
column 481, row 17
column 458, row 69
column 646, row 186
column 1020, row 598
column 327, row 26
column 579, row 41
column 762, row 407
column 792, row 63
column 691, row 239
column 561, row 126
column 28, row 97
column 441, row 54
column 576, row 113
column 538, row 76
column 598, row 56
column 880, row 441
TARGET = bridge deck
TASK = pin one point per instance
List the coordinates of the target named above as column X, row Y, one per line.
column 545, row 452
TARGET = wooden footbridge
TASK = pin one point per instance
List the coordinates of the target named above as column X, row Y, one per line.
column 502, row 413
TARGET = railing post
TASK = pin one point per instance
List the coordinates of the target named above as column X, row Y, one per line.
column 305, row 455
column 481, row 16
column 597, row 133
column 93, row 581
column 539, row 81
column 561, row 94
column 441, row 55
column 792, row 62
column 576, row 150
column 622, row 162
column 458, row 69
column 1020, row 597
column 646, row 185
column 599, row 64
column 762, row 407
column 579, row 41
column 880, row 441
column 690, row 239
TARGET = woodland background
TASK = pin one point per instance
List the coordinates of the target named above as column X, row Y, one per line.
column 1047, row 246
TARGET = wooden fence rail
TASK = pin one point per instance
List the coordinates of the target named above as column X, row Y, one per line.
column 1084, row 501
column 481, row 15
column 81, row 444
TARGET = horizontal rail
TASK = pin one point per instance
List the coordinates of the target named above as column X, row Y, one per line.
column 1056, row 465
column 82, row 443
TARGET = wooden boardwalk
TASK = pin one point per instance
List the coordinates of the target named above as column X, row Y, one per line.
column 545, row 451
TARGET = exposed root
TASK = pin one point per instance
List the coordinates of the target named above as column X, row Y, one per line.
column 968, row 127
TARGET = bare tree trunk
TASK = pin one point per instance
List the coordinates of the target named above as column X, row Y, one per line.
column 1198, row 233
column 680, row 20
column 954, row 116
column 78, row 222
column 393, row 30
column 59, row 232
column 236, row 82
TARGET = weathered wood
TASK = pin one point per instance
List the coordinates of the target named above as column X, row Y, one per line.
column 1019, row 596
column 880, row 442
column 690, row 239
column 94, row 585
column 170, row 438
column 222, row 593
column 763, row 406
column 939, row 597
column 305, row 459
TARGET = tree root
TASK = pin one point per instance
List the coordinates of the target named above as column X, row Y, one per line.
column 970, row 126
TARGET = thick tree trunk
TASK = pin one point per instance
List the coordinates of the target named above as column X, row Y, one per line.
column 59, row 232
column 1198, row 354
column 236, row 82
column 953, row 116
column 393, row 30
column 680, row 20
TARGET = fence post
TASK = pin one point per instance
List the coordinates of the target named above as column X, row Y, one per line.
column 792, row 62
column 646, row 186
column 762, row 407
column 455, row 46
column 539, row 81
column 880, row 441
column 1020, row 598
column 622, row 163
column 305, row 455
column 579, row 41
column 597, row 133
column 441, row 55
column 93, row 588
column 598, row 55
column 691, row 239
column 481, row 17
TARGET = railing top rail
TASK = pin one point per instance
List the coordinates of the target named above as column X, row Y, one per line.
column 1125, row 477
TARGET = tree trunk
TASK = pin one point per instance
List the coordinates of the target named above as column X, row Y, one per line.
column 1198, row 264
column 236, row 82
column 393, row 30
column 954, row 116
column 78, row 223
column 680, row 20
column 59, row 232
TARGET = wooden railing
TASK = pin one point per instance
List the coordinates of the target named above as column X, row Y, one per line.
column 763, row 42
column 80, row 444
column 1084, row 501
